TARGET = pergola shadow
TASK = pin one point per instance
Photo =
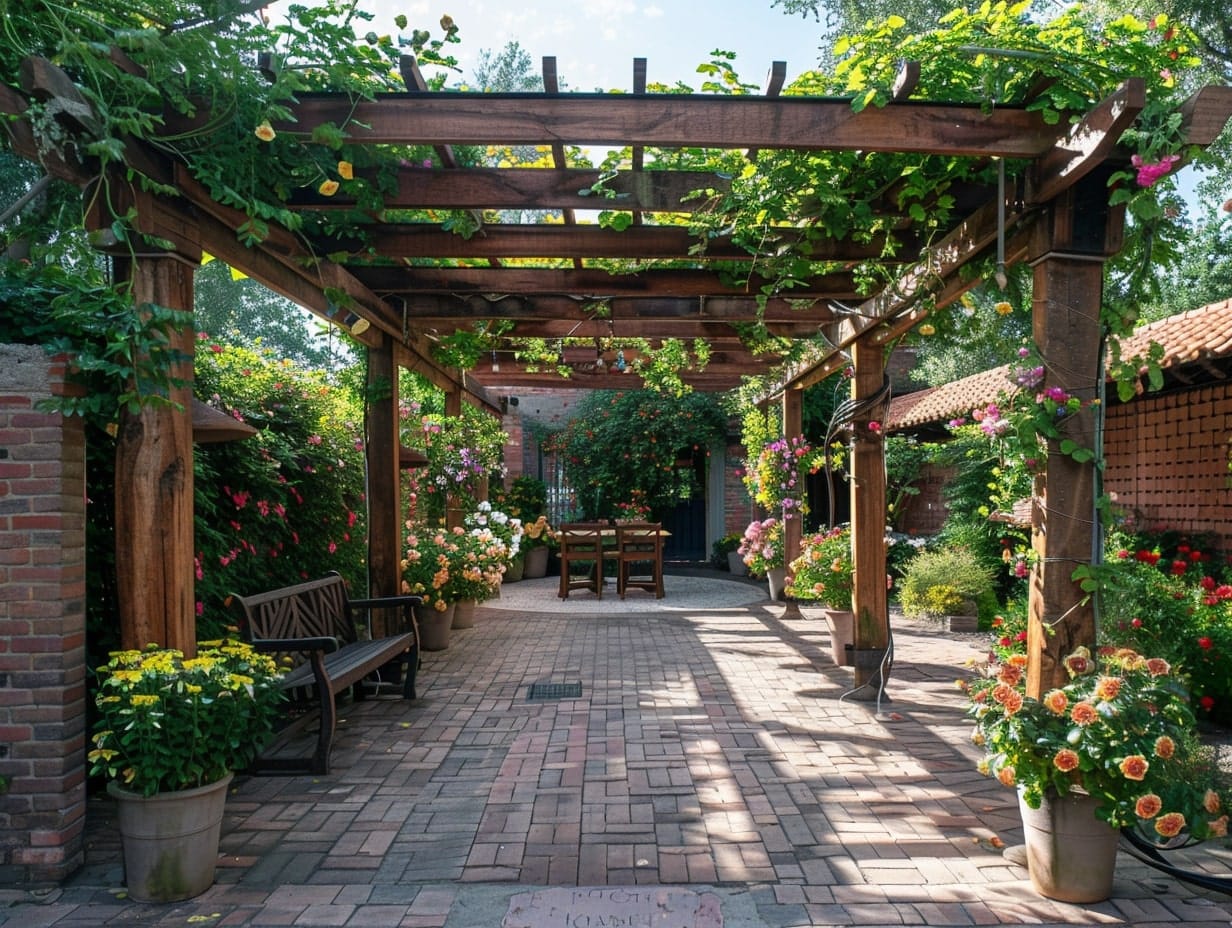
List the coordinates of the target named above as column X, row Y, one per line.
column 708, row 749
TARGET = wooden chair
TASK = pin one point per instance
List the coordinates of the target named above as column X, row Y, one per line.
column 581, row 543
column 639, row 544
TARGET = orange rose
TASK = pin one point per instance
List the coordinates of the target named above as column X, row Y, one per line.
column 1084, row 713
column 1134, row 767
column 1211, row 802
column 1218, row 827
column 1107, row 688
column 1007, row 776
column 1013, row 702
column 1158, row 667
column 1010, row 675
column 1170, row 825
column 1056, row 702
column 1148, row 806
column 1065, row 760
column 1165, row 747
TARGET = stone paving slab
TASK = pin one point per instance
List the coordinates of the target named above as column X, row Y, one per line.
column 711, row 751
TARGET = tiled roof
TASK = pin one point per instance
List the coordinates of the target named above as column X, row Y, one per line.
column 1196, row 335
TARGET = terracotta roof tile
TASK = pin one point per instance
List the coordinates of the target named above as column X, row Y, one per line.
column 1198, row 334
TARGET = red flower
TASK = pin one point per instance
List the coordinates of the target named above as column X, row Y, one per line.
column 1205, row 643
column 1178, row 568
column 1207, row 703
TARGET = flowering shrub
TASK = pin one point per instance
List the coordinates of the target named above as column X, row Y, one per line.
column 1174, row 604
column 1121, row 731
column 776, row 479
column 287, row 504
column 636, row 509
column 824, row 569
column 428, row 566
column 763, row 546
column 462, row 452
column 166, row 723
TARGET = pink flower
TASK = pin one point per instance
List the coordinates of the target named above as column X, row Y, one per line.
column 1149, row 173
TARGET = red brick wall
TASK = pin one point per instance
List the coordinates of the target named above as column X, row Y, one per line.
column 1167, row 460
column 738, row 507
column 924, row 513
column 42, row 624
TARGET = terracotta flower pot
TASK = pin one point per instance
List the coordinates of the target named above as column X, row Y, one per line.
column 1071, row 854
column 434, row 627
column 842, row 624
column 170, row 840
column 536, row 564
column 463, row 614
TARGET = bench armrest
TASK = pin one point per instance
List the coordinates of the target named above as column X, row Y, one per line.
column 326, row 644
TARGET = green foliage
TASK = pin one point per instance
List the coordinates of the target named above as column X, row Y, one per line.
column 287, row 504
column 621, row 442
column 120, row 353
column 724, row 546
column 526, row 498
column 938, row 582
column 905, row 458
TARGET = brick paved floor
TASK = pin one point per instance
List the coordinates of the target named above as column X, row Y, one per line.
column 709, row 749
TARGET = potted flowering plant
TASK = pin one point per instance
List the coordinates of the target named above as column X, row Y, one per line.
column 762, row 546
column 500, row 536
column 431, row 554
column 824, row 572
column 538, row 538
column 824, row 569
column 170, row 733
column 1116, row 743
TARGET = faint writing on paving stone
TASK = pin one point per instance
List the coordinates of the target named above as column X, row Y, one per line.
column 613, row 907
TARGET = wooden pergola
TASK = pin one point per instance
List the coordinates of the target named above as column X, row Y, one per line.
column 1058, row 219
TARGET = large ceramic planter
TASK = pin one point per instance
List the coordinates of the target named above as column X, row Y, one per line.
column 777, row 578
column 1071, row 854
column 536, row 563
column 842, row 624
column 434, row 627
column 735, row 563
column 515, row 571
column 463, row 614
column 170, row 840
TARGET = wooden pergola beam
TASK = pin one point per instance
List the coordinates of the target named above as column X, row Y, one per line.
column 588, row 283
column 532, row 188
column 429, row 240
column 675, row 121
column 619, row 312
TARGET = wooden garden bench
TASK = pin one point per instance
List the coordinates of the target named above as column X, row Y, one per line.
column 311, row 628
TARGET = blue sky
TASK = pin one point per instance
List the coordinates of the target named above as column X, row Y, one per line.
column 595, row 41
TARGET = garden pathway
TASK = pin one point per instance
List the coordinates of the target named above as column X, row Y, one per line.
column 709, row 752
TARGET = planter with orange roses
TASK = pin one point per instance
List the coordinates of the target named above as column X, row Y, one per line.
column 1116, row 747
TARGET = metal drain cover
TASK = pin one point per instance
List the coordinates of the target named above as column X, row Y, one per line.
column 554, row 691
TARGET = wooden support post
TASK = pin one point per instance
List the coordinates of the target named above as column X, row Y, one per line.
column 382, row 446
column 1068, row 264
column 793, row 528
column 453, row 408
column 154, row 484
column 868, row 522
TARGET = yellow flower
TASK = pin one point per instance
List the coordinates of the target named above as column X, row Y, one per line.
column 928, row 329
column 346, row 170
column 328, row 188
column 1003, row 308
column 145, row 699
column 265, row 132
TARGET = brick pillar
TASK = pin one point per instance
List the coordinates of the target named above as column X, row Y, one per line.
column 42, row 624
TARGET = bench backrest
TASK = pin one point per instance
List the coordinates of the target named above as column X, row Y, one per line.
column 318, row 608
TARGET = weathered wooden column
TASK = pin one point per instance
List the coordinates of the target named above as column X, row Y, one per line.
column 793, row 528
column 154, row 481
column 868, row 521
column 382, row 446
column 453, row 407
column 1068, row 254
